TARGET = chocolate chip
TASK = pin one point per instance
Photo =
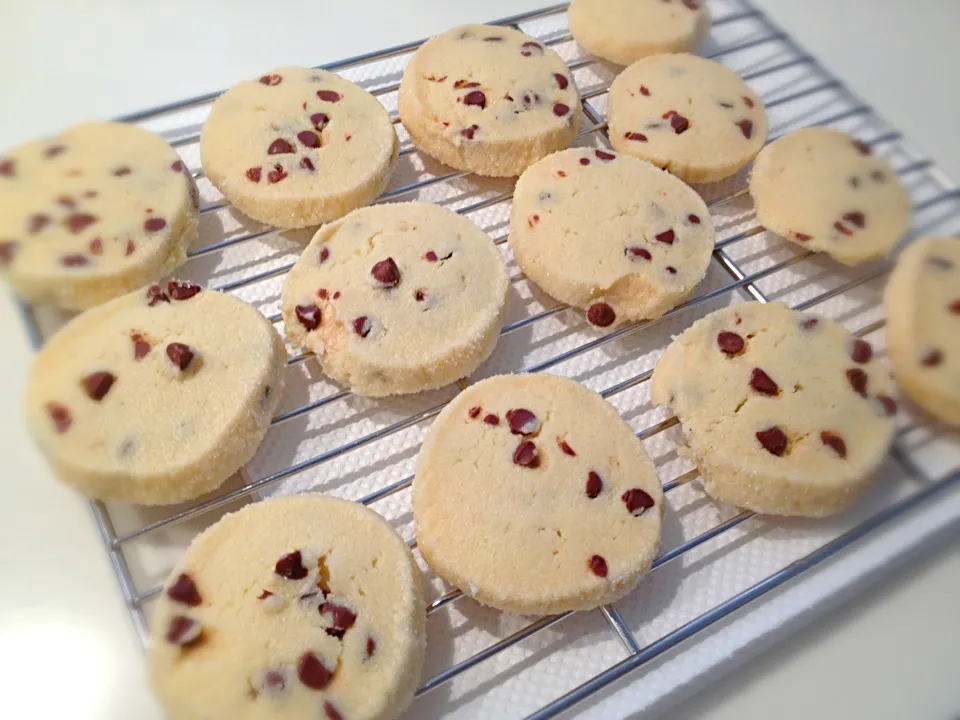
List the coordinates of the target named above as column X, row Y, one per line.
column 330, row 711
column 559, row 109
column 763, row 383
column 774, row 440
column 598, row 566
column 7, row 168
column 475, row 97
column 523, row 422
column 253, row 174
column 180, row 355
column 309, row 138
column 182, row 290
column 645, row 91
column 330, row 96
column 601, row 315
column 371, row 647
column 565, row 448
column 730, row 343
column 802, row 237
column 931, row 359
column 121, row 171
column 526, row 455
column 60, row 415
column 184, row 631
column 594, row 484
column 637, row 252
column 307, row 164
column 862, row 147
column 531, row 48
column 362, row 326
column 667, row 236
column 309, row 316
column 637, row 501
column 74, row 260
column 78, row 222
column 638, row 137
column 154, row 224
column 341, row 618
column 746, row 127
column 98, row 384
column 386, row 273
column 312, row 672
column 277, row 174
column 474, row 412
column 856, row 218
column 840, row 227
column 858, row 381
column 280, row 147
column 861, row 352
column 888, row 404
column 835, row 442
column 291, row 566
column 491, row 419
column 156, row 295
column 603, row 155
column 469, row 132
column 693, row 219
column 8, row 250
column 562, row 81
column 271, row 79
column 184, row 590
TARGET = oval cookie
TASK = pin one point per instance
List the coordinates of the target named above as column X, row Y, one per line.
column 397, row 298
column 533, row 496
column 488, row 99
column 305, row 608
column 610, row 234
column 99, row 210
column 783, row 413
column 824, row 190
column 922, row 303
column 623, row 31
column 688, row 115
column 157, row 396
column 298, row 147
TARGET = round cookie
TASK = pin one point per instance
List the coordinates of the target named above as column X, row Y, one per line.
column 98, row 211
column 688, row 115
column 922, row 303
column 397, row 298
column 298, row 147
column 156, row 396
column 303, row 607
column 623, row 31
column 824, row 190
column 610, row 234
column 533, row 496
column 783, row 413
column 488, row 99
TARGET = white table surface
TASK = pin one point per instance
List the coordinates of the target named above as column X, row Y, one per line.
column 66, row 646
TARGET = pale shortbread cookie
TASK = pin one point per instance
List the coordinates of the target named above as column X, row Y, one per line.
column 157, row 396
column 623, row 31
column 688, row 115
column 488, row 99
column 824, row 190
column 533, row 496
column 922, row 303
column 397, row 298
column 610, row 234
column 298, row 147
column 305, row 608
column 783, row 413
column 96, row 212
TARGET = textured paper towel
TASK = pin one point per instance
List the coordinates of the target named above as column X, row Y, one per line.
column 530, row 674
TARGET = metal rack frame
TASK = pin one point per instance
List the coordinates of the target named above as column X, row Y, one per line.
column 637, row 656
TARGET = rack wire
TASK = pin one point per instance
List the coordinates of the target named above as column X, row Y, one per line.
column 739, row 277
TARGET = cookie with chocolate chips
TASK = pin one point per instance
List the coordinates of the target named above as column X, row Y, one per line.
column 304, row 607
column 610, row 234
column 397, row 298
column 783, row 413
column 533, row 496
column 827, row 192
column 157, row 396
column 922, row 303
column 488, row 99
column 688, row 115
column 93, row 213
column 298, row 147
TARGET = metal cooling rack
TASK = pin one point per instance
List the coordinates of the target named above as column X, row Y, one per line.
column 118, row 544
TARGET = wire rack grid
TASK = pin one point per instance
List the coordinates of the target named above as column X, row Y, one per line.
column 747, row 265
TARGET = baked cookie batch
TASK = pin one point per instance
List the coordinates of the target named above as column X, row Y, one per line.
column 311, row 607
